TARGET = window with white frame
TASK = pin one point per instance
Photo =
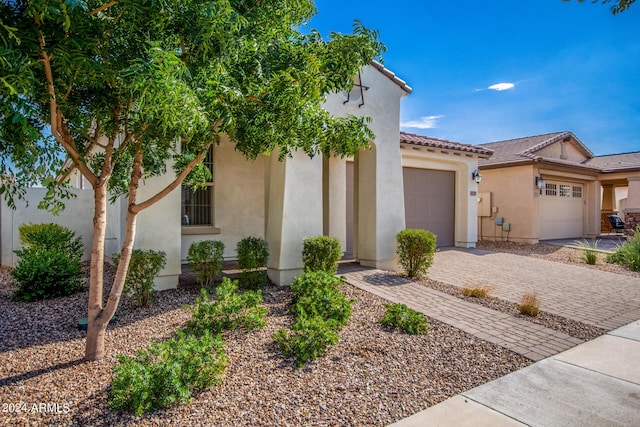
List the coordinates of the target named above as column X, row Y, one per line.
column 577, row 191
column 551, row 189
column 197, row 205
column 565, row 191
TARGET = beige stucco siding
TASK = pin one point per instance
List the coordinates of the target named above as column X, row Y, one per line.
column 515, row 197
column 239, row 199
column 555, row 151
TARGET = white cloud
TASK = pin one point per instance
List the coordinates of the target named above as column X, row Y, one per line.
column 502, row 86
column 425, row 122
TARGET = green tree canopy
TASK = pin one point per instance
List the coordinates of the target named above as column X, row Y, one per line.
column 116, row 89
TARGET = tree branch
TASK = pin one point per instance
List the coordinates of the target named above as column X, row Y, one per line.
column 103, row 7
column 56, row 117
column 136, row 208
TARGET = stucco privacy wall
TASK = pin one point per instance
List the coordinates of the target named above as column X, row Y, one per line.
column 379, row 202
column 239, row 201
column 77, row 216
column 466, row 202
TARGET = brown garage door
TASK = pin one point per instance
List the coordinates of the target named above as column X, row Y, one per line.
column 429, row 202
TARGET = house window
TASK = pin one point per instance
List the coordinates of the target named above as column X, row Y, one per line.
column 197, row 205
column 577, row 191
column 551, row 189
column 565, row 191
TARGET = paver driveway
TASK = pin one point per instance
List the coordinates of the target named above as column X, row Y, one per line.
column 591, row 296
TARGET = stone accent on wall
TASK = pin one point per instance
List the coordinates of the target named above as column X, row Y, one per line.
column 631, row 221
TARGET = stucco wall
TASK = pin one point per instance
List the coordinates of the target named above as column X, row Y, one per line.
column 379, row 206
column 554, row 151
column 78, row 217
column 158, row 228
column 239, row 200
column 514, row 195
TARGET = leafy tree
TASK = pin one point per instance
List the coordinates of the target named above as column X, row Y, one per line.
column 618, row 6
column 118, row 89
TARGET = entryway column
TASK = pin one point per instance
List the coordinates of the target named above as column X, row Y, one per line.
column 334, row 198
column 380, row 207
column 608, row 206
column 294, row 212
column 632, row 212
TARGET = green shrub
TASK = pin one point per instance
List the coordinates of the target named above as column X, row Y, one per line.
column 321, row 253
column 628, row 254
column 205, row 259
column 416, row 248
column 307, row 282
column 231, row 310
column 253, row 254
column 143, row 268
column 49, row 265
column 308, row 339
column 43, row 274
column 589, row 250
column 51, row 237
column 401, row 316
column 167, row 373
column 320, row 309
column 327, row 303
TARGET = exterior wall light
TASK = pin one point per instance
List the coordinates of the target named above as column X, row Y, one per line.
column 540, row 183
column 475, row 175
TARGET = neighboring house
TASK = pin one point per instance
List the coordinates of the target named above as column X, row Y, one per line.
column 552, row 187
column 361, row 201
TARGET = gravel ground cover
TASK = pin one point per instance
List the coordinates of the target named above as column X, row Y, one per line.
column 373, row 376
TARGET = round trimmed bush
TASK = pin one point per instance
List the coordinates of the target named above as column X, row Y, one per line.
column 415, row 250
column 321, row 253
column 43, row 274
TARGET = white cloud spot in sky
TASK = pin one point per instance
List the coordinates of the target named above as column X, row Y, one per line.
column 425, row 122
column 501, row 86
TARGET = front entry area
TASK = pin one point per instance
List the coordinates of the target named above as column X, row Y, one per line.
column 429, row 202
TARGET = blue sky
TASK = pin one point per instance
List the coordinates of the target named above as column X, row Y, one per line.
column 561, row 66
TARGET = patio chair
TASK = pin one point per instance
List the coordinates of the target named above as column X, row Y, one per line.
column 616, row 223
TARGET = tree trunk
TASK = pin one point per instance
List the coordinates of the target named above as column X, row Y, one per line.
column 97, row 326
column 99, row 317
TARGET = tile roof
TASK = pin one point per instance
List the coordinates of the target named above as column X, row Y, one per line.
column 524, row 149
column 392, row 76
column 425, row 141
column 615, row 162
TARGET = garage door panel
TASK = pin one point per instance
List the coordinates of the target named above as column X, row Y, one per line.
column 562, row 214
column 430, row 202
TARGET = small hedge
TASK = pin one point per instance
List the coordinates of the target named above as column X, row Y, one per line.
column 401, row 316
column 253, row 254
column 321, row 253
column 321, row 310
column 167, row 373
column 144, row 266
column 49, row 265
column 205, row 259
column 42, row 274
column 51, row 237
column 415, row 250
column 230, row 310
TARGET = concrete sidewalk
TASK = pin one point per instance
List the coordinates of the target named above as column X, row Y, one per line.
column 594, row 384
